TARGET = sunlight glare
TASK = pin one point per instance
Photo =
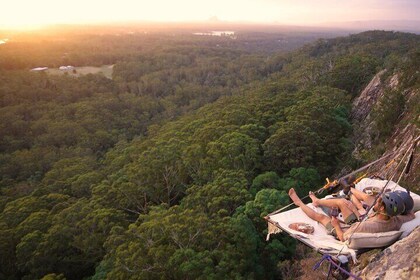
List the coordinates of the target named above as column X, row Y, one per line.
column 30, row 13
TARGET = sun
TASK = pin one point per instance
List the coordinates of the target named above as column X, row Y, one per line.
column 20, row 14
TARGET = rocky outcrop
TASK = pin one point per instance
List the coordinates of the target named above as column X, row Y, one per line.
column 361, row 114
column 399, row 261
column 363, row 104
column 402, row 259
column 405, row 131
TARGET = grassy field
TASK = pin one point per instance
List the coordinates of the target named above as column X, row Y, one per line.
column 106, row 70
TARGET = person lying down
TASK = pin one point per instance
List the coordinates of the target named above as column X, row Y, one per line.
column 387, row 215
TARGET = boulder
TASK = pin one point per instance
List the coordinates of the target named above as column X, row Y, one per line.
column 399, row 261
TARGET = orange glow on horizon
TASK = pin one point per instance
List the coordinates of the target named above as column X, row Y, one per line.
column 31, row 14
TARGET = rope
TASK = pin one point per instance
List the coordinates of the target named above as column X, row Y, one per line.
column 367, row 165
column 406, row 168
column 409, row 161
column 329, row 184
column 328, row 258
column 383, row 189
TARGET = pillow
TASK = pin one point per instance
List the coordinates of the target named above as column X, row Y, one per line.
column 409, row 226
column 361, row 240
column 416, row 204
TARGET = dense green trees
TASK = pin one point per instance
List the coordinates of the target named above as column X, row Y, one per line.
column 304, row 138
column 167, row 170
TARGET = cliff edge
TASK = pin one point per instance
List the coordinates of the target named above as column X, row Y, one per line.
column 399, row 261
column 402, row 259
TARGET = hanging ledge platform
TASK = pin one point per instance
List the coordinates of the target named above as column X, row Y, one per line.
column 324, row 243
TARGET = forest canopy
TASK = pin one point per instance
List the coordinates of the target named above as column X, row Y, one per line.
column 166, row 170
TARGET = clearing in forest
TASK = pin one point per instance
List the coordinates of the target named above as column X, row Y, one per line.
column 106, row 70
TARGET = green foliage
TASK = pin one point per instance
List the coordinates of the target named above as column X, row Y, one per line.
column 53, row 276
column 228, row 191
column 267, row 180
column 387, row 112
column 409, row 68
column 265, row 202
column 314, row 123
column 235, row 151
column 352, row 73
column 302, row 180
column 167, row 170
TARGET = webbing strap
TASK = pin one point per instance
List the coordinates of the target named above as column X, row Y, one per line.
column 328, row 258
column 384, row 187
column 328, row 184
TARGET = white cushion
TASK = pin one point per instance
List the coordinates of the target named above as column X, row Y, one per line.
column 416, row 206
column 361, row 240
column 409, row 226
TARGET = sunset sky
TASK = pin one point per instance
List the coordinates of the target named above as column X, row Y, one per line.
column 27, row 13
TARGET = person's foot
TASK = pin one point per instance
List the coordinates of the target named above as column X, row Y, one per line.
column 314, row 199
column 347, row 184
column 294, row 197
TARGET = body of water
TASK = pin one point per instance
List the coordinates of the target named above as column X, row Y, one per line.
column 216, row 33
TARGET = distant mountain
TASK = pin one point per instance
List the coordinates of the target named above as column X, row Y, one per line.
column 214, row 19
column 396, row 25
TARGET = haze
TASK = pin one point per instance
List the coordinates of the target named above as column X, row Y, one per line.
column 29, row 13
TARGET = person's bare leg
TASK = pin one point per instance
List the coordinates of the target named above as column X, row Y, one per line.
column 358, row 205
column 361, row 196
column 308, row 211
column 345, row 206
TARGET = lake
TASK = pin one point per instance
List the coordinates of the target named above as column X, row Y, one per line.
column 216, row 33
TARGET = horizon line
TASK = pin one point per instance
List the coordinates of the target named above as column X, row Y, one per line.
column 337, row 25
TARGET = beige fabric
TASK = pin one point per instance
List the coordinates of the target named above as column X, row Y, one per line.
column 373, row 225
column 272, row 229
column 367, row 182
column 416, row 204
column 410, row 226
column 321, row 240
column 362, row 240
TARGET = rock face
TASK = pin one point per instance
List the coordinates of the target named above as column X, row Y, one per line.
column 402, row 259
column 399, row 261
column 361, row 114
column 363, row 104
column 402, row 138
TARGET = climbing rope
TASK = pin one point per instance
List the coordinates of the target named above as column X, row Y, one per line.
column 410, row 159
column 405, row 170
column 335, row 182
column 329, row 184
column 411, row 148
column 329, row 259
